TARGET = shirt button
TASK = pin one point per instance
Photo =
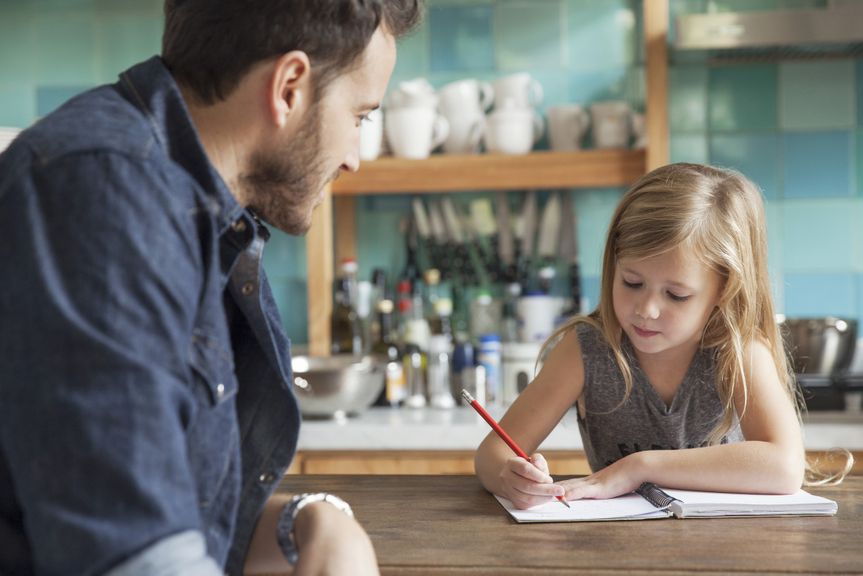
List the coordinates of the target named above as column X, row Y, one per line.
column 239, row 225
column 220, row 389
column 266, row 478
column 248, row 288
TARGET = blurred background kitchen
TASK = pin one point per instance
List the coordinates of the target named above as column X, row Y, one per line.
column 460, row 288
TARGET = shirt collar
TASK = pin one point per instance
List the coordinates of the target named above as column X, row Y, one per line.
column 150, row 86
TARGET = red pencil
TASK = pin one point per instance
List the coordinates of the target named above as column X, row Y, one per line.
column 500, row 432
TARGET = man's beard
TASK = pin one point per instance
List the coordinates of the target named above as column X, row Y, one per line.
column 284, row 180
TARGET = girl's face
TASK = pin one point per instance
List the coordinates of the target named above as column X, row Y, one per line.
column 663, row 302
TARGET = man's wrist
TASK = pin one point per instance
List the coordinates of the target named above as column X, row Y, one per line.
column 285, row 529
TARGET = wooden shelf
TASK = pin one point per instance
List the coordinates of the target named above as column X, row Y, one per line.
column 538, row 170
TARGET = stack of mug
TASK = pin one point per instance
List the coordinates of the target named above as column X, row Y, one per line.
column 464, row 104
column 414, row 126
column 515, row 125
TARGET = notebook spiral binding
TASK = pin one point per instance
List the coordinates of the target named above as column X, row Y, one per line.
column 655, row 495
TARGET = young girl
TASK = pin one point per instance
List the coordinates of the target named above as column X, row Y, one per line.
column 679, row 376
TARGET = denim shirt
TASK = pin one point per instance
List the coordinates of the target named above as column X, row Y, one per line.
column 145, row 410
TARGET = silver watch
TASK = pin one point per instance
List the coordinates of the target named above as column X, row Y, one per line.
column 285, row 527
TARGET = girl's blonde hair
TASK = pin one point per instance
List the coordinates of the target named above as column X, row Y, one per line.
column 718, row 216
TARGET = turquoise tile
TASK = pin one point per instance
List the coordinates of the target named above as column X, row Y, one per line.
column 689, row 148
column 590, row 286
column 859, row 169
column 461, row 38
column 17, row 45
column 775, row 253
column 743, row 97
column 859, row 74
column 292, row 298
column 859, row 281
column 285, row 255
column 17, row 105
column 817, row 164
column 687, row 106
column 379, row 243
column 412, row 55
column 821, row 295
column 760, row 5
column 594, row 209
column 816, row 95
column 125, row 39
column 49, row 98
column 755, row 155
column 610, row 84
column 602, row 34
column 65, row 47
column 820, row 235
column 528, row 35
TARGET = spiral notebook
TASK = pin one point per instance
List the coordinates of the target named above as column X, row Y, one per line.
column 650, row 502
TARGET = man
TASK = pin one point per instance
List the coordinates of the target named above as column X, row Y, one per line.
column 145, row 407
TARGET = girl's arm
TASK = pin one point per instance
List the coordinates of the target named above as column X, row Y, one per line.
column 770, row 460
column 533, row 415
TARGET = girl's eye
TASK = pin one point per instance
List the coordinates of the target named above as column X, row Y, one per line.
column 677, row 298
column 632, row 285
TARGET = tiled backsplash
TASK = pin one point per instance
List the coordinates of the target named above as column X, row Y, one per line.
column 794, row 127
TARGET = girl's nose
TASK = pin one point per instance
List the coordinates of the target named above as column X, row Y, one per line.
column 647, row 309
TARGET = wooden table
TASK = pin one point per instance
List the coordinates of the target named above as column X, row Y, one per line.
column 448, row 525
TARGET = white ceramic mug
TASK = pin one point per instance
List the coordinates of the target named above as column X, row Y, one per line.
column 372, row 135
column 415, row 131
column 512, row 130
column 465, row 133
column 567, row 124
column 522, row 89
column 537, row 315
column 412, row 94
column 611, row 124
column 467, row 96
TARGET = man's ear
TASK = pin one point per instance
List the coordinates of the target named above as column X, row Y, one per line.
column 290, row 84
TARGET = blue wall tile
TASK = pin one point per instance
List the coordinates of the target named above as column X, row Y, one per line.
column 821, row 295
column 859, row 163
column 687, row 106
column 821, row 234
column 755, row 155
column 17, row 105
column 65, row 46
column 602, row 34
column 49, row 98
column 817, row 164
column 743, row 97
column 528, row 35
column 292, row 297
column 689, row 148
column 859, row 74
column 594, row 209
column 817, row 95
column 461, row 38
column 590, row 286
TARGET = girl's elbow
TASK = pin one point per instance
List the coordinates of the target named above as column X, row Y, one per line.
column 790, row 472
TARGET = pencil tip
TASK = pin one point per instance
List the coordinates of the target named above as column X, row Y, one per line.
column 565, row 503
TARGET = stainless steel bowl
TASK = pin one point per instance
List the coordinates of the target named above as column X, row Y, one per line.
column 820, row 346
column 342, row 385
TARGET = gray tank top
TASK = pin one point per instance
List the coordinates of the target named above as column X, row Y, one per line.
column 643, row 421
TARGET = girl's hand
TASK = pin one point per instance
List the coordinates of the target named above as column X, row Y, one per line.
column 610, row 482
column 528, row 484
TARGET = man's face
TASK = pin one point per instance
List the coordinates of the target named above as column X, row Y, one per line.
column 287, row 176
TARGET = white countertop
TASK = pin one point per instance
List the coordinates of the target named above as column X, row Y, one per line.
column 463, row 429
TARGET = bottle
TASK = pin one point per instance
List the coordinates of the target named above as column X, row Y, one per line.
column 489, row 358
column 386, row 347
column 440, row 395
column 464, row 375
column 509, row 323
column 346, row 326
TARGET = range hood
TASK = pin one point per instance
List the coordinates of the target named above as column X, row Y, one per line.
column 835, row 30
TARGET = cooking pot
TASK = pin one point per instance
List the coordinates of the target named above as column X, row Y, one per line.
column 820, row 346
column 341, row 385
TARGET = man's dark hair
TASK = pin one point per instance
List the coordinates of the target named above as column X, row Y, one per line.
column 209, row 45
